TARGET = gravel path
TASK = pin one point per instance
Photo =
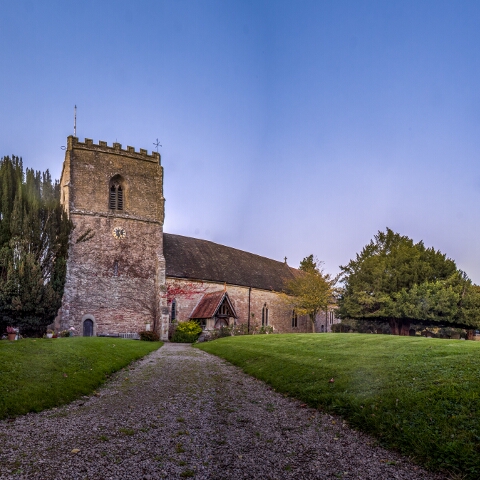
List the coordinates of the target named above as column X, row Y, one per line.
column 182, row 413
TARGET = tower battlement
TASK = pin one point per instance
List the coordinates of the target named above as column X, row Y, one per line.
column 115, row 149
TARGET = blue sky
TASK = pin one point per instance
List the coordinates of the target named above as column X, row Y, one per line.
column 287, row 128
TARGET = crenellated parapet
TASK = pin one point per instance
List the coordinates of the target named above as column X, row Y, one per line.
column 115, row 149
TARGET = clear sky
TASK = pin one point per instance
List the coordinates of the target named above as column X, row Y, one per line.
column 287, row 128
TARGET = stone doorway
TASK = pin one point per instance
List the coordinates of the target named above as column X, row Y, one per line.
column 222, row 322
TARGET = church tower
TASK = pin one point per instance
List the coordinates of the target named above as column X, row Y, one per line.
column 115, row 280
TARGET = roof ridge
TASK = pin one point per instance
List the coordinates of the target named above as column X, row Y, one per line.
column 194, row 258
column 230, row 248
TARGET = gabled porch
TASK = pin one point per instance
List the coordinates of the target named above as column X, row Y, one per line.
column 214, row 311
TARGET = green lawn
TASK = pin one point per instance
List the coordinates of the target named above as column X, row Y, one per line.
column 44, row 373
column 420, row 396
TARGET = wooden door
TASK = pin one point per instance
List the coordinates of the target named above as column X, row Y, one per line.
column 88, row 328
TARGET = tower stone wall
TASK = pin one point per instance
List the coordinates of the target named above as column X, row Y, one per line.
column 116, row 268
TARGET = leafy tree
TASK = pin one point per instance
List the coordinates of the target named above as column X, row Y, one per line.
column 312, row 289
column 34, row 233
column 309, row 264
column 396, row 280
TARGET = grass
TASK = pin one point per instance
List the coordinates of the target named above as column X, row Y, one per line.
column 420, row 396
column 45, row 373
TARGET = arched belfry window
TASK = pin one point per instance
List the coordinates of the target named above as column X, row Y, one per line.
column 116, row 199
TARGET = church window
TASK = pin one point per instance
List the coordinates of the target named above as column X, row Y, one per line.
column 294, row 319
column 264, row 315
column 115, row 268
column 119, row 198
column 173, row 315
column 116, row 196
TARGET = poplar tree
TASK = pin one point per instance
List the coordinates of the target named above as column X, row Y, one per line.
column 34, row 235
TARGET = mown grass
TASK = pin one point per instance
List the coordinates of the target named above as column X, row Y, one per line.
column 44, row 373
column 420, row 396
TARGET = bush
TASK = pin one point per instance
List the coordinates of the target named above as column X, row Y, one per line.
column 220, row 333
column 263, row 330
column 340, row 328
column 149, row 336
column 186, row 332
column 236, row 330
column 240, row 329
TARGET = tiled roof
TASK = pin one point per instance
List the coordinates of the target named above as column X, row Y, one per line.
column 192, row 258
column 208, row 305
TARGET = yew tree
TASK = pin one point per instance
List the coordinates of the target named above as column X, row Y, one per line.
column 34, row 236
column 396, row 280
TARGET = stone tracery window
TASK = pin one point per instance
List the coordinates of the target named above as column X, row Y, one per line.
column 116, row 194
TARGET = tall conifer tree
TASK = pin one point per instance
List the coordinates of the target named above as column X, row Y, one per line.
column 34, row 235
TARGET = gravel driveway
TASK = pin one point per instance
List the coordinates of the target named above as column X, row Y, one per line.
column 182, row 413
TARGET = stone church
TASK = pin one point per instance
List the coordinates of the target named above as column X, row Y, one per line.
column 124, row 274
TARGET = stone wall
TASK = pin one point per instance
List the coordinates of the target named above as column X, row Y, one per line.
column 279, row 312
column 325, row 320
column 116, row 282
column 87, row 171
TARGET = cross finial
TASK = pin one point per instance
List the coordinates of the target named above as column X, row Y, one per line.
column 157, row 144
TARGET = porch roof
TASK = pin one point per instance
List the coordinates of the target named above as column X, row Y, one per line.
column 210, row 303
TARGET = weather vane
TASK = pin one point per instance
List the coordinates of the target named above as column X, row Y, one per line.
column 63, row 147
column 157, row 144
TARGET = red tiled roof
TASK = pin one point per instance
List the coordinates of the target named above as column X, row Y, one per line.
column 209, row 304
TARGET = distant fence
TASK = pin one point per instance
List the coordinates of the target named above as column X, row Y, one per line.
column 132, row 336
